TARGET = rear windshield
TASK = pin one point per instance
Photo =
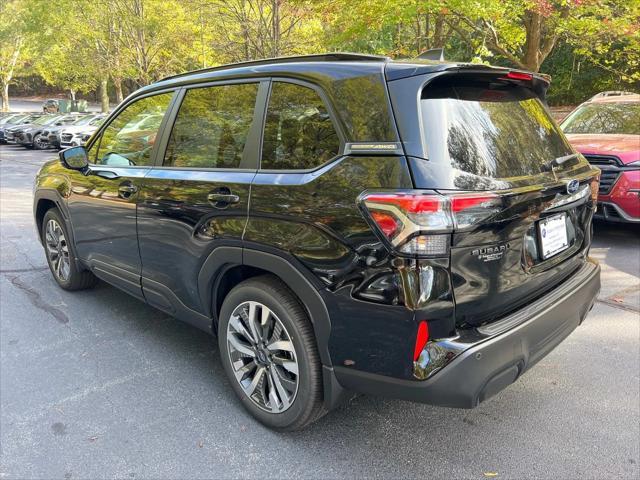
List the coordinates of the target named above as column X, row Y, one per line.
column 495, row 129
column 604, row 118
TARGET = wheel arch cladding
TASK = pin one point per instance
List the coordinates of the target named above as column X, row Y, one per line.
column 227, row 266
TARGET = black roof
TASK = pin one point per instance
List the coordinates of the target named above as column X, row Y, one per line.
column 321, row 57
column 340, row 63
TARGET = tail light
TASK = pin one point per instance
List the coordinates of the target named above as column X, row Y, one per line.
column 421, row 224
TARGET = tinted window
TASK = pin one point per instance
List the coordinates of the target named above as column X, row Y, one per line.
column 493, row 130
column 605, row 118
column 298, row 133
column 129, row 138
column 212, row 127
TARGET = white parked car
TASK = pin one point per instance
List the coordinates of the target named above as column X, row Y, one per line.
column 76, row 135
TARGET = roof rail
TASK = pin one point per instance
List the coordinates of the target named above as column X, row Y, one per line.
column 322, row 57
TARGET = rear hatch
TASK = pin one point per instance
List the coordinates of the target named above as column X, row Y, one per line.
column 491, row 132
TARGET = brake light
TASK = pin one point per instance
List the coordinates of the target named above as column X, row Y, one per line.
column 422, row 337
column 519, row 76
column 421, row 224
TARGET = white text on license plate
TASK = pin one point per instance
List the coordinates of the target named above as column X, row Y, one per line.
column 553, row 235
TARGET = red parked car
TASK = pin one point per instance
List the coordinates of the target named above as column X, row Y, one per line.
column 606, row 130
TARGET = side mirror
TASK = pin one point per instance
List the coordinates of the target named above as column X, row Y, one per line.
column 74, row 158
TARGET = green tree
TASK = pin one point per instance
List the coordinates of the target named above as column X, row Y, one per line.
column 17, row 26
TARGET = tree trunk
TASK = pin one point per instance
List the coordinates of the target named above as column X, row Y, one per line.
column 276, row 27
column 117, row 83
column 5, row 97
column 73, row 95
column 438, row 32
column 533, row 27
column 104, row 94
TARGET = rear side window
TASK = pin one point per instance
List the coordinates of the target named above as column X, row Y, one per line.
column 298, row 132
column 212, row 127
column 493, row 128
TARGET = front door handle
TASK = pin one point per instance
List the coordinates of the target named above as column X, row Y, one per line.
column 223, row 198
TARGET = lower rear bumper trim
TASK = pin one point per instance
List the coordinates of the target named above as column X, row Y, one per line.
column 487, row 367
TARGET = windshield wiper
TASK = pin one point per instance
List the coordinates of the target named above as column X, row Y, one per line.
column 556, row 162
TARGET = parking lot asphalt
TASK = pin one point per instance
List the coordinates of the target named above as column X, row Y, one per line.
column 96, row 384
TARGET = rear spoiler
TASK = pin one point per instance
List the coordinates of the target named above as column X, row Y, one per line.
column 397, row 71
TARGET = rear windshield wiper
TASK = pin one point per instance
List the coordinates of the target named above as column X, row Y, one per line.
column 556, row 162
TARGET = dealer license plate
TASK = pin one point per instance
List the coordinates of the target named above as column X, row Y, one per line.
column 553, row 235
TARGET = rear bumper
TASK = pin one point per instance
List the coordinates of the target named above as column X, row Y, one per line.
column 507, row 349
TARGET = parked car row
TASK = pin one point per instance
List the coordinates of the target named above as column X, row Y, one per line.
column 42, row 131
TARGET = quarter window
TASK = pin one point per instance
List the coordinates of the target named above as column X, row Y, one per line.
column 128, row 140
column 298, row 132
column 212, row 127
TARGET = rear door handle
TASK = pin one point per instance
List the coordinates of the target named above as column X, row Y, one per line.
column 223, row 198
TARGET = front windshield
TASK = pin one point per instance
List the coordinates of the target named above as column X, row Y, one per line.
column 7, row 119
column 84, row 120
column 604, row 118
column 46, row 120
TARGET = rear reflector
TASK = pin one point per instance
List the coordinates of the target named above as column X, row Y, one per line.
column 422, row 337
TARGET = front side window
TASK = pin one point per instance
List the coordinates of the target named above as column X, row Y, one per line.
column 129, row 138
column 212, row 127
column 298, row 132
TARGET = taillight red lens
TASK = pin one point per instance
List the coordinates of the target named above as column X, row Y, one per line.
column 408, row 202
column 519, row 76
column 464, row 202
column 385, row 222
column 422, row 337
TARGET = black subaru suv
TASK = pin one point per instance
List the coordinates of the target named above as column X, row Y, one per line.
column 343, row 223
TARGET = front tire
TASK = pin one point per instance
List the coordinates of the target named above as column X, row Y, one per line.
column 269, row 354
column 61, row 256
column 38, row 143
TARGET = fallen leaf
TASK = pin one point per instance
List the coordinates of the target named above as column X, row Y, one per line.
column 200, row 444
column 490, row 474
column 618, row 299
column 93, row 439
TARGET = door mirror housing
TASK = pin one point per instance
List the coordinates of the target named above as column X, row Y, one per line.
column 74, row 158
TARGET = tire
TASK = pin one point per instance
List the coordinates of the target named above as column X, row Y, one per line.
column 274, row 401
column 38, row 144
column 60, row 254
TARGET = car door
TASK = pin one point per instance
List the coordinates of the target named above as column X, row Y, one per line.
column 102, row 202
column 196, row 198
